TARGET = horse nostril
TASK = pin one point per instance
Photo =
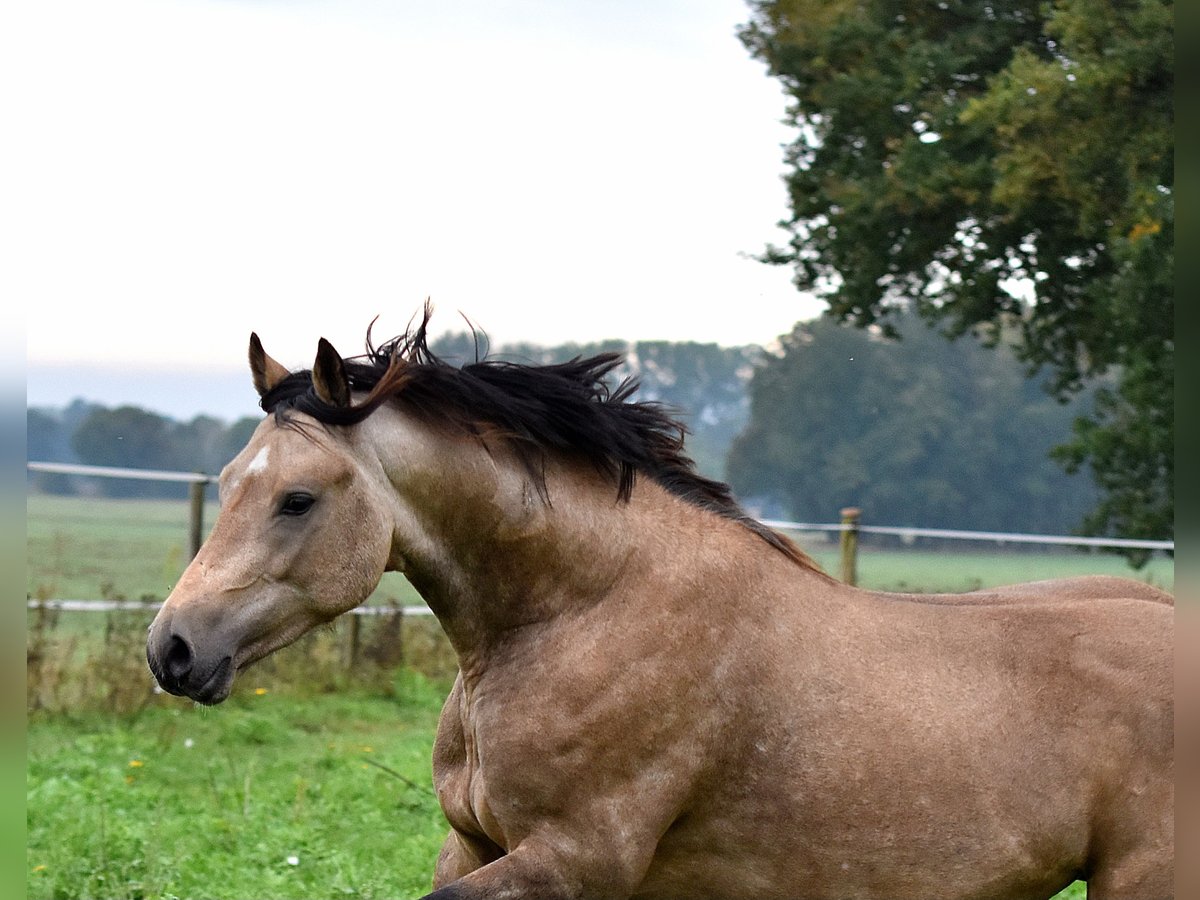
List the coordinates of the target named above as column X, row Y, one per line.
column 178, row 658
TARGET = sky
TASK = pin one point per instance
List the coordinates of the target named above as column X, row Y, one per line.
column 188, row 171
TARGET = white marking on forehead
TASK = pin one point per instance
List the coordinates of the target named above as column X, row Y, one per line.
column 259, row 463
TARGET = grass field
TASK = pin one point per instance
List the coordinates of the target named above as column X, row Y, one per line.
column 268, row 796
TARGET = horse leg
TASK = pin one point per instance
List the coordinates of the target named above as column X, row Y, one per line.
column 538, row 871
column 507, row 877
column 460, row 856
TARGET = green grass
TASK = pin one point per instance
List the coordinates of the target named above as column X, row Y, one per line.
column 91, row 548
column 267, row 796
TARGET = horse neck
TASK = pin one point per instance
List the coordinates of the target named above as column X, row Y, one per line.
column 483, row 546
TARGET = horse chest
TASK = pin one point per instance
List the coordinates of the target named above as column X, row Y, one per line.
column 461, row 781
column 478, row 778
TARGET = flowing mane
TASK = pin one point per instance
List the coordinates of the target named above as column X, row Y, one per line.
column 568, row 408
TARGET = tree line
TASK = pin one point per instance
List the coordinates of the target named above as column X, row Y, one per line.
column 704, row 382
column 916, row 429
column 128, row 437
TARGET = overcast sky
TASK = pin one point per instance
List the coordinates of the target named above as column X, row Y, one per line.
column 187, row 171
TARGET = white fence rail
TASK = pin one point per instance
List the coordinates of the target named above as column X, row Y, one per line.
column 115, row 472
column 153, row 606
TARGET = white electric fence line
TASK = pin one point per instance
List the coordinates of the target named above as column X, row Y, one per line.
column 112, row 472
column 151, row 606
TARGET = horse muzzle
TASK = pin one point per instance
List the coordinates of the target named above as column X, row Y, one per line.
column 185, row 666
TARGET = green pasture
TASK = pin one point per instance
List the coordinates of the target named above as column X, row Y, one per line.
column 272, row 795
column 268, row 796
column 85, row 548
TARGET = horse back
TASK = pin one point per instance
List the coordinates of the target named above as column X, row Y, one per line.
column 1053, row 590
column 1090, row 660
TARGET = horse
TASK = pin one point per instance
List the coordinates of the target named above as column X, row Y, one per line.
column 658, row 696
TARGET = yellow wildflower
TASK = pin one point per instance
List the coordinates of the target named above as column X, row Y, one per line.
column 1144, row 229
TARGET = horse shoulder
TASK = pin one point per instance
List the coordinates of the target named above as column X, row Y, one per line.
column 455, row 769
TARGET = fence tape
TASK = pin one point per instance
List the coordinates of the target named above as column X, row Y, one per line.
column 153, row 606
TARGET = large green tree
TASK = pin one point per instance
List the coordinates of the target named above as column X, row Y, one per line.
column 1000, row 165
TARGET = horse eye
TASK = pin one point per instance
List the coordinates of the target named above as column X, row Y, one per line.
column 296, row 504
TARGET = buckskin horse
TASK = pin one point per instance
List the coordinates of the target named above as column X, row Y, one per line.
column 659, row 697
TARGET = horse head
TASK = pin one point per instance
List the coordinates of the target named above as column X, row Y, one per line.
column 304, row 534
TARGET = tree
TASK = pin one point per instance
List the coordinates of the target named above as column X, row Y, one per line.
column 705, row 384
column 198, row 444
column 46, row 441
column 998, row 165
column 918, row 431
column 128, row 437
column 230, row 444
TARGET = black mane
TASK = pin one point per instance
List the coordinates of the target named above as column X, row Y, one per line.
column 569, row 408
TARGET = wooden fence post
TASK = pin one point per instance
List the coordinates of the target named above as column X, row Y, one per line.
column 849, row 544
column 196, row 524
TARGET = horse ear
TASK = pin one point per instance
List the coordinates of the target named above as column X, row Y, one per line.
column 266, row 372
column 329, row 376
